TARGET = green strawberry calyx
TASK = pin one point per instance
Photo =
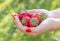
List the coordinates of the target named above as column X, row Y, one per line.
column 43, row 16
column 23, row 20
column 34, row 21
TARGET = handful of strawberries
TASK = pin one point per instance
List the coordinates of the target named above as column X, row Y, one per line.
column 30, row 19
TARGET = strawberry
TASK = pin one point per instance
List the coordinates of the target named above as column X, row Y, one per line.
column 34, row 22
column 27, row 14
column 25, row 20
column 36, row 15
column 20, row 16
column 28, row 30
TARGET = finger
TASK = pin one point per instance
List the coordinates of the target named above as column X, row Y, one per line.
column 38, row 11
column 19, row 24
column 17, row 21
column 13, row 15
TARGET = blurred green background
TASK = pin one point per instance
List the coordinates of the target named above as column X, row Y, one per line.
column 8, row 30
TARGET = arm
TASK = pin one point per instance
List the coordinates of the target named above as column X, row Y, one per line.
column 56, row 15
column 56, row 23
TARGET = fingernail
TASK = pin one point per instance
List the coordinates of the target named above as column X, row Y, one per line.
column 14, row 15
column 28, row 30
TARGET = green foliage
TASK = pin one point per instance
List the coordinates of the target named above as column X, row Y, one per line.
column 8, row 30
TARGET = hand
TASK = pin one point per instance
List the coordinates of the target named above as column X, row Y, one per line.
column 23, row 28
column 52, row 22
column 47, row 25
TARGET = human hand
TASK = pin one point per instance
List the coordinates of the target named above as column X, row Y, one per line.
column 52, row 22
column 45, row 26
column 23, row 28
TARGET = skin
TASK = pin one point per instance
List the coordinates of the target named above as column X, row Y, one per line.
column 52, row 22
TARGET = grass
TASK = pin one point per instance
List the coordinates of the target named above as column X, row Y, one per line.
column 8, row 30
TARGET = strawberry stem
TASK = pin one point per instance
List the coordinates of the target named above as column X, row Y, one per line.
column 34, row 21
column 23, row 21
column 43, row 16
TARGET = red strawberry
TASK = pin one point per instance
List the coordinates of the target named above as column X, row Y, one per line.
column 28, row 30
column 37, row 16
column 25, row 20
column 27, row 14
column 34, row 22
column 20, row 16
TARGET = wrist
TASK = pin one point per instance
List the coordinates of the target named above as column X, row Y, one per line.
column 56, row 24
column 56, row 27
